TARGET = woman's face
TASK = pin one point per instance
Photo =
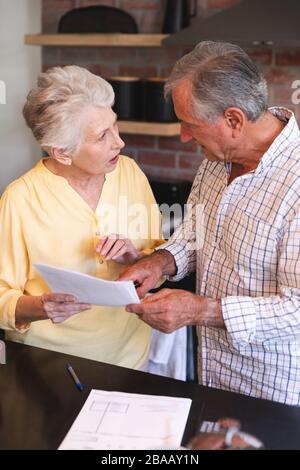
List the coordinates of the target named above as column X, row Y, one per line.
column 99, row 151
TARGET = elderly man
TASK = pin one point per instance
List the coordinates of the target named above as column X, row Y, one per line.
column 247, row 306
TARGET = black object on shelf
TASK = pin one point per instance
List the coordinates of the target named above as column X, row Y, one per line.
column 177, row 15
column 97, row 19
column 156, row 107
column 128, row 97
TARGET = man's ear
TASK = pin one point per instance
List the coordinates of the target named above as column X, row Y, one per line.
column 60, row 155
column 235, row 119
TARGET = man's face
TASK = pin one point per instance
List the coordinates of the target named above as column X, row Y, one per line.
column 214, row 139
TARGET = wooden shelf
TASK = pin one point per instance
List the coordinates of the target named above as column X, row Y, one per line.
column 108, row 39
column 149, row 128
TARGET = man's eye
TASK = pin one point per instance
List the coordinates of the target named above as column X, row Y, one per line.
column 101, row 137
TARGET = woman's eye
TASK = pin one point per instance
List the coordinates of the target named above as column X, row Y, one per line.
column 101, row 137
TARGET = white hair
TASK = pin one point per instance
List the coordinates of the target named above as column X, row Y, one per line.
column 53, row 109
column 222, row 76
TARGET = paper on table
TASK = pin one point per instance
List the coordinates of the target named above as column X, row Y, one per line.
column 89, row 289
column 115, row 420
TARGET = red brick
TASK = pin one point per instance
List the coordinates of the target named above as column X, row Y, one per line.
column 159, row 159
column 170, row 174
column 291, row 58
column 261, row 56
column 87, row 3
column 281, row 76
column 139, row 4
column 142, row 72
column 150, row 22
column 190, row 162
column 174, row 143
column 139, row 140
column 221, row 3
column 50, row 22
column 166, row 56
column 104, row 71
column 54, row 5
column 52, row 55
column 130, row 152
column 282, row 95
column 79, row 55
column 165, row 72
column 297, row 114
column 120, row 55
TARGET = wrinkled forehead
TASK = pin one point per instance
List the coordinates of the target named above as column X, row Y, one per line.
column 95, row 120
column 182, row 100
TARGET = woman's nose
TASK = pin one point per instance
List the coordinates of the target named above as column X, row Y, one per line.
column 121, row 142
column 118, row 142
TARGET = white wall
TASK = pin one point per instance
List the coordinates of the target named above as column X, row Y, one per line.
column 19, row 67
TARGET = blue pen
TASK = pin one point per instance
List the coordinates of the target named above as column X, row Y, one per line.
column 74, row 377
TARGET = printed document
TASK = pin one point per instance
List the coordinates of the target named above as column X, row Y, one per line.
column 115, row 421
column 89, row 289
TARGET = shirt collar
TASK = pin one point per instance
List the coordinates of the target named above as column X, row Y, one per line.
column 289, row 134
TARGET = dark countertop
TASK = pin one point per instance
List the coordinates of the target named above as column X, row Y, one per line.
column 39, row 400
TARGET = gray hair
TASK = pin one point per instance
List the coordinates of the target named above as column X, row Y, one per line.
column 222, row 76
column 53, row 109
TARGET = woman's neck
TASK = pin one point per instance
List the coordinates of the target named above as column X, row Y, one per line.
column 74, row 175
column 89, row 187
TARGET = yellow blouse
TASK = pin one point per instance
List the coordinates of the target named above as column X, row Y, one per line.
column 44, row 220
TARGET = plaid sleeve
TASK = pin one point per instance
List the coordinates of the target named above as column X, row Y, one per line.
column 273, row 318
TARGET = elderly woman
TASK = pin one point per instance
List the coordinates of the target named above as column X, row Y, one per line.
column 63, row 212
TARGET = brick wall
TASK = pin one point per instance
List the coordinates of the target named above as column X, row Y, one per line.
column 162, row 156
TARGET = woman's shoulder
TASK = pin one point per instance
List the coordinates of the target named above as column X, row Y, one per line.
column 20, row 188
column 127, row 165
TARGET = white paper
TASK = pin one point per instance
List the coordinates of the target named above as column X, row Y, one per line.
column 89, row 289
column 115, row 421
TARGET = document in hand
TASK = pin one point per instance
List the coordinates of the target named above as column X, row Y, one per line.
column 115, row 420
column 88, row 289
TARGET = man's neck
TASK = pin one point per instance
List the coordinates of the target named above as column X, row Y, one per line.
column 260, row 136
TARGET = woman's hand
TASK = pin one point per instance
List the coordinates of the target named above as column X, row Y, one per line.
column 59, row 307
column 56, row 307
column 117, row 248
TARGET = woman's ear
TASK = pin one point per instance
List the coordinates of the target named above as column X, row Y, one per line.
column 60, row 156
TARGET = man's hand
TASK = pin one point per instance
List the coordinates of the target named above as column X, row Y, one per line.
column 147, row 272
column 170, row 309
